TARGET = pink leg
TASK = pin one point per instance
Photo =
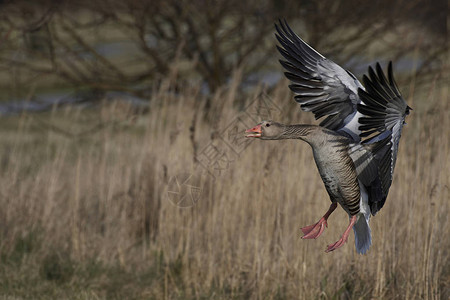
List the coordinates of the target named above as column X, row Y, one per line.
column 344, row 237
column 315, row 230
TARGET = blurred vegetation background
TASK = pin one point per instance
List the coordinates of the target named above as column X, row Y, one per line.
column 130, row 46
column 105, row 103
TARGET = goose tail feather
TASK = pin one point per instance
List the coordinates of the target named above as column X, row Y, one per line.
column 363, row 236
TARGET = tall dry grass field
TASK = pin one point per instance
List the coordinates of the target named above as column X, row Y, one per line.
column 86, row 214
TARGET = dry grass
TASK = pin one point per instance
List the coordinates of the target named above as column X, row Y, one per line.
column 89, row 217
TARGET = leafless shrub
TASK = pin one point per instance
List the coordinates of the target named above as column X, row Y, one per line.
column 131, row 45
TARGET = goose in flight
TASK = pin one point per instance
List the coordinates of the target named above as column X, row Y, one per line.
column 355, row 146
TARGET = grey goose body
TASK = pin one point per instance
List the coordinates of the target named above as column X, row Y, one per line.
column 355, row 146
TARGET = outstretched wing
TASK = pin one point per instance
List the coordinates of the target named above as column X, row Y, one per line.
column 320, row 85
column 384, row 111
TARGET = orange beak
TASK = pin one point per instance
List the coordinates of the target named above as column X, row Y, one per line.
column 254, row 132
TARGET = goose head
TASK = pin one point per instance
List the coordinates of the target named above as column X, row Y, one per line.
column 266, row 130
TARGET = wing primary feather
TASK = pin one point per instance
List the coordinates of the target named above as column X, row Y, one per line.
column 295, row 70
column 383, row 113
column 391, row 79
column 296, row 63
column 319, row 85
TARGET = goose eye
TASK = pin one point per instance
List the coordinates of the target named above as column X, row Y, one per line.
column 267, row 125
